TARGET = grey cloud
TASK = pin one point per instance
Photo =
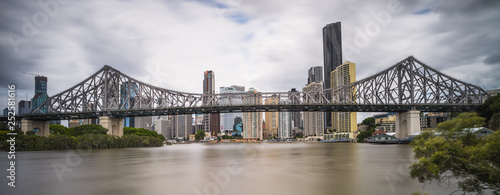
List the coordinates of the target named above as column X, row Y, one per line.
column 186, row 38
column 493, row 58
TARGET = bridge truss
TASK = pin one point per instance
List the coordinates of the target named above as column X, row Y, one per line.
column 407, row 85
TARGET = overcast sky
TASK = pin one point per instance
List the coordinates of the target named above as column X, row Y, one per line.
column 268, row 45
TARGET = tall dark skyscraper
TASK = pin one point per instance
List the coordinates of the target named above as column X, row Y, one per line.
column 332, row 50
column 332, row 55
column 315, row 74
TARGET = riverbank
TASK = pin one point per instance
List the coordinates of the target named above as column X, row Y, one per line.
column 64, row 142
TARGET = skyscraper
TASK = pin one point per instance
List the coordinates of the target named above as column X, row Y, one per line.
column 209, row 82
column 344, row 123
column 40, row 93
column 332, row 55
column 227, row 119
column 315, row 74
column 252, row 121
column 211, row 122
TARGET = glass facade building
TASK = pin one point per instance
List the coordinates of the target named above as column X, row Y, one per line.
column 315, row 74
column 128, row 92
column 40, row 93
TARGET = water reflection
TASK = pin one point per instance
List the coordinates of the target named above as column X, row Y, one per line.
column 267, row 168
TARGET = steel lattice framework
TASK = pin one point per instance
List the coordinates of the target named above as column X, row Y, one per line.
column 410, row 84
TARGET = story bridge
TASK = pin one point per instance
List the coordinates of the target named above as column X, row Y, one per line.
column 407, row 87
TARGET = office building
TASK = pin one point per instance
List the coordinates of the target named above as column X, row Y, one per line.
column 430, row 120
column 332, row 55
column 314, row 124
column 315, row 74
column 182, row 126
column 271, row 119
column 145, row 122
column 164, row 126
column 40, row 93
column 343, row 123
column 252, row 121
column 227, row 120
column 24, row 107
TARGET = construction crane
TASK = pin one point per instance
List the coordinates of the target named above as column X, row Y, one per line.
column 32, row 74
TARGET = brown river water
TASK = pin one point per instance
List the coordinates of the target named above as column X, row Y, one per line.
column 260, row 168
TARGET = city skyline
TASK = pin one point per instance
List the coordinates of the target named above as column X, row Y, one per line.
column 246, row 43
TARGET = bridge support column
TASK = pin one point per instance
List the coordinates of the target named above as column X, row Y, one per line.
column 407, row 123
column 114, row 125
column 41, row 126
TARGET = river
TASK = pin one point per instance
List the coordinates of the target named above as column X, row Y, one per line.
column 260, row 168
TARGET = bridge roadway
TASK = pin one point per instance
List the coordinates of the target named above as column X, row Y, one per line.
column 251, row 108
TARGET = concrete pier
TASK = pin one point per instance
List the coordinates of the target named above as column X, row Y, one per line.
column 114, row 125
column 407, row 123
column 41, row 126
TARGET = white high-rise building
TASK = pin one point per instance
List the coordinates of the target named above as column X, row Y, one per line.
column 285, row 123
column 227, row 119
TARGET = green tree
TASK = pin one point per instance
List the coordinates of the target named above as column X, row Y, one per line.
column 87, row 129
column 56, row 129
column 364, row 134
column 199, row 135
column 450, row 152
column 142, row 132
column 491, row 111
column 370, row 121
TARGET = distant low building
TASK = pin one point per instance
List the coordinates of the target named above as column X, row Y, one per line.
column 430, row 120
column 493, row 92
column 480, row 131
column 378, row 132
column 5, row 111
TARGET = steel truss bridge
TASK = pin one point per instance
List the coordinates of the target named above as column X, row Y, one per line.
column 407, row 85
